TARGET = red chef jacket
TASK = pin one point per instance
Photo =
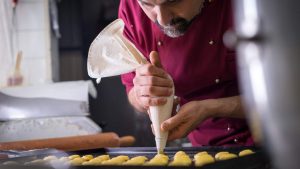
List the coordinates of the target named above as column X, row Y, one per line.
column 199, row 63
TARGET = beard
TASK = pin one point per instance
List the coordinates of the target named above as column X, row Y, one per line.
column 176, row 28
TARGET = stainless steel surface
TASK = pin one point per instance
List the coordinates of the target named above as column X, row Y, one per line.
column 49, row 127
column 269, row 70
column 14, row 108
column 16, row 153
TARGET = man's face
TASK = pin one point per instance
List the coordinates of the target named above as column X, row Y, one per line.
column 172, row 16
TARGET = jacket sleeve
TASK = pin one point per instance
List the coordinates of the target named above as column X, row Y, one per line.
column 125, row 14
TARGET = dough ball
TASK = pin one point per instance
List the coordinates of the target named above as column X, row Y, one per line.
column 246, row 152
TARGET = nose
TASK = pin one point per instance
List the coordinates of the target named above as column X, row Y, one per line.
column 163, row 16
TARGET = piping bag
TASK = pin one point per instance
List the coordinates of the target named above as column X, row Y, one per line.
column 158, row 115
column 111, row 54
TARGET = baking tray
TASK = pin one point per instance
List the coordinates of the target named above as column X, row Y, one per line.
column 255, row 161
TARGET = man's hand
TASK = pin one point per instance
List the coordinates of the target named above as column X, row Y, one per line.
column 193, row 113
column 151, row 85
column 188, row 117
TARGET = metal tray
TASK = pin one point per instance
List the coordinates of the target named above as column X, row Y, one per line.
column 254, row 161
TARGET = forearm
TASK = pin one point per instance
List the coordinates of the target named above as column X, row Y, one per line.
column 191, row 114
column 226, row 107
column 134, row 102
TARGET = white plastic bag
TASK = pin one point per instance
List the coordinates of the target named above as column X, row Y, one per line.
column 112, row 54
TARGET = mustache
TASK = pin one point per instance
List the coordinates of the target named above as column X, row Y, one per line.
column 176, row 27
column 180, row 21
column 175, row 21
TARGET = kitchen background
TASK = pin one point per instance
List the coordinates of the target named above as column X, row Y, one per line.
column 54, row 37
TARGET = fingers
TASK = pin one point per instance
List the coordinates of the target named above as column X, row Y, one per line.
column 155, row 68
column 178, row 125
column 151, row 70
column 187, row 119
column 172, row 122
column 152, row 91
column 154, row 59
column 152, row 81
column 178, row 132
column 148, row 101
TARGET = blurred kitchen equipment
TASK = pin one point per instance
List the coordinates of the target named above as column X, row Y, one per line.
column 20, row 108
column 267, row 38
column 16, row 78
column 46, row 111
column 112, row 54
column 74, row 90
column 5, row 154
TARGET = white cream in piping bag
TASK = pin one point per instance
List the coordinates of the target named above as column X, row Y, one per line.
column 158, row 115
column 111, row 54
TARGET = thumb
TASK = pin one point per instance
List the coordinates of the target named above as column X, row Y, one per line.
column 154, row 59
column 171, row 123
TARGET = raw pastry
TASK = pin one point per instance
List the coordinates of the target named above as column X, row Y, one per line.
column 102, row 158
column 71, row 157
column 116, row 160
column 87, row 157
column 225, row 156
column 181, row 159
column 158, row 160
column 136, row 161
column 200, row 153
column 202, row 159
column 217, row 156
column 97, row 161
column 77, row 161
column 246, row 152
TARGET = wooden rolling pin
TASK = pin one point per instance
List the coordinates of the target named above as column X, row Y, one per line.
column 67, row 143
column 127, row 141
